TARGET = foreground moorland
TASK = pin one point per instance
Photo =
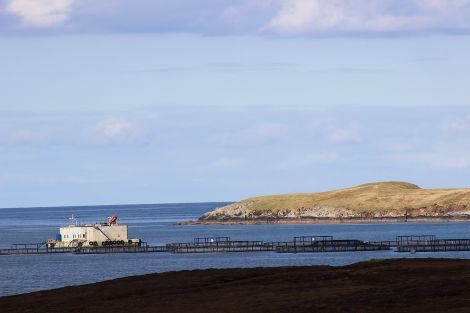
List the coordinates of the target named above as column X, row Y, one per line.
column 374, row 202
column 402, row 285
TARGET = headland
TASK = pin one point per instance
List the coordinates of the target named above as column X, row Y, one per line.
column 367, row 203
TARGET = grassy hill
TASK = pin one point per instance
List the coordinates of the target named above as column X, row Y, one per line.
column 374, row 200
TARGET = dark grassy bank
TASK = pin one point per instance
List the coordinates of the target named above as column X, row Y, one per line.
column 414, row 285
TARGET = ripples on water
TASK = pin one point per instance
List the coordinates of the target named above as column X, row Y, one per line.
column 156, row 225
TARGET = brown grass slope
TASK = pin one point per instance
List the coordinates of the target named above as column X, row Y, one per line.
column 399, row 286
column 374, row 200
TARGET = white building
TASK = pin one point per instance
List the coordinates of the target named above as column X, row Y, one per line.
column 98, row 233
column 93, row 235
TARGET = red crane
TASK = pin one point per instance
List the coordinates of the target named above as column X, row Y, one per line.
column 112, row 219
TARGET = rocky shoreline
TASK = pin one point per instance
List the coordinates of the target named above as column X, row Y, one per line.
column 326, row 220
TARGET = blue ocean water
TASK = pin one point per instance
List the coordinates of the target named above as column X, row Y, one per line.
column 156, row 224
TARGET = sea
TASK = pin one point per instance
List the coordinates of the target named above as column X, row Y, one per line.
column 156, row 224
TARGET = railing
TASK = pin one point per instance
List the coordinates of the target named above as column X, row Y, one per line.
column 37, row 250
column 415, row 243
column 208, row 240
column 309, row 239
column 436, row 245
column 124, row 249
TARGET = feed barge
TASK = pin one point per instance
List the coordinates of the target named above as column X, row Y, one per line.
column 101, row 237
column 101, row 234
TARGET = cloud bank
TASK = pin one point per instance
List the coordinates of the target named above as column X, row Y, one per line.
column 368, row 16
column 40, row 13
column 248, row 17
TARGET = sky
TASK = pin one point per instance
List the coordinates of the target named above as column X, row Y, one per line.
column 115, row 102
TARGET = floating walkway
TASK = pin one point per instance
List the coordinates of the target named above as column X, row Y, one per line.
column 301, row 244
column 431, row 244
column 124, row 249
column 33, row 248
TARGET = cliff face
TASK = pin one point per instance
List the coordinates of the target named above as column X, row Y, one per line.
column 374, row 200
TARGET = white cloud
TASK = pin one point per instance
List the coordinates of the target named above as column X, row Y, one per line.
column 453, row 159
column 228, row 163
column 345, row 16
column 306, row 160
column 344, row 135
column 46, row 179
column 336, row 134
column 442, row 5
column 27, row 137
column 263, row 133
column 461, row 125
column 40, row 13
column 116, row 128
column 249, row 16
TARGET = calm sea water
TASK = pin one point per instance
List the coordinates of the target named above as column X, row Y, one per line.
column 156, row 224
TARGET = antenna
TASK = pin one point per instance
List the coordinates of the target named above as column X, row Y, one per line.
column 74, row 220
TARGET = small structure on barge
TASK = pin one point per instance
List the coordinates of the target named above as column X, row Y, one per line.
column 101, row 234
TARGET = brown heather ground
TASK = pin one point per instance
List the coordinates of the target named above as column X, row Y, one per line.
column 406, row 285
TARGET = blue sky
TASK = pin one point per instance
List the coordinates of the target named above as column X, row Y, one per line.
column 180, row 101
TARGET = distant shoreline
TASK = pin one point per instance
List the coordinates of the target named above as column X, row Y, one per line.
column 349, row 220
